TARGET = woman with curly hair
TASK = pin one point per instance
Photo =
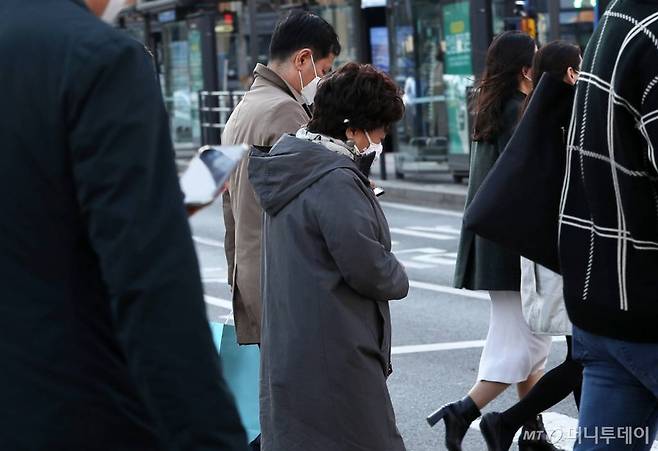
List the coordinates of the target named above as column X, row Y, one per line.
column 328, row 274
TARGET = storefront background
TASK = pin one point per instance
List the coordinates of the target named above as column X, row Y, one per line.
column 426, row 46
column 459, row 72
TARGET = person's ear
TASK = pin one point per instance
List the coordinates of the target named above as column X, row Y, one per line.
column 571, row 76
column 299, row 60
column 97, row 6
column 527, row 73
column 350, row 133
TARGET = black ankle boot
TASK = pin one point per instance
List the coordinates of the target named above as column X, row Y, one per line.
column 534, row 437
column 457, row 417
column 498, row 435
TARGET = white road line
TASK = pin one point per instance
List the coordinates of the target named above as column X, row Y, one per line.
column 208, row 241
column 409, row 264
column 436, row 211
column 438, row 229
column 447, row 346
column 412, row 283
column 413, row 349
column 217, row 302
column 448, row 290
column 215, row 280
column 432, row 236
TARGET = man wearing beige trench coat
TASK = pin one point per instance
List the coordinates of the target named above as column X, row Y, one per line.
column 303, row 48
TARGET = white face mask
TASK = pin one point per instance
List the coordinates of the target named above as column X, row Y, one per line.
column 112, row 10
column 308, row 91
column 378, row 148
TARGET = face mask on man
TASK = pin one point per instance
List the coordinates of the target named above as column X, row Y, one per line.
column 308, row 91
column 112, row 10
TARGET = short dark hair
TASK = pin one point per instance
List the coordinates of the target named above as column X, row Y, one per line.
column 355, row 96
column 555, row 58
column 303, row 29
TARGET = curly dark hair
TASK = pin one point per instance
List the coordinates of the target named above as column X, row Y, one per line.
column 355, row 96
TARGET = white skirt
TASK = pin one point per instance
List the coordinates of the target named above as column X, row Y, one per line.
column 512, row 352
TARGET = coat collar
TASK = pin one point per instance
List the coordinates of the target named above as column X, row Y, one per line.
column 272, row 77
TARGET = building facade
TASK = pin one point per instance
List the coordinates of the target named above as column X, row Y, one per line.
column 205, row 52
column 437, row 52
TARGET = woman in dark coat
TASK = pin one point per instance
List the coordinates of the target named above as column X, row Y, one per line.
column 328, row 274
column 512, row 353
column 561, row 61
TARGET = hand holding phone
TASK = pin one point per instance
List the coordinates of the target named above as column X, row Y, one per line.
column 207, row 174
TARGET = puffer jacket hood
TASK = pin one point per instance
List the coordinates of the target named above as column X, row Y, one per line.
column 290, row 167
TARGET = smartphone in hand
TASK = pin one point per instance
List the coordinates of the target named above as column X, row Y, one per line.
column 208, row 172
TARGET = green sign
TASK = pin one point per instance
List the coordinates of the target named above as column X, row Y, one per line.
column 456, row 103
column 457, row 29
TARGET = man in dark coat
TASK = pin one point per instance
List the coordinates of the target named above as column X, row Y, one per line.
column 105, row 343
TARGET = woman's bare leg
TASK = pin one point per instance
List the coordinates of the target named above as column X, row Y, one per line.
column 524, row 387
column 483, row 392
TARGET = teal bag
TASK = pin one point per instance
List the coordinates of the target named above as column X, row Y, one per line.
column 241, row 368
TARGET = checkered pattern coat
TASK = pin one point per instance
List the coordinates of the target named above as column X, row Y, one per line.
column 609, row 207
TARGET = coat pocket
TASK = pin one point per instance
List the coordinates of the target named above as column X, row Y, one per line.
column 385, row 337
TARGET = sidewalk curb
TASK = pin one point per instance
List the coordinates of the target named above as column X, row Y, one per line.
column 439, row 196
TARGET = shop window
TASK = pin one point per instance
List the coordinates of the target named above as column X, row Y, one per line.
column 183, row 78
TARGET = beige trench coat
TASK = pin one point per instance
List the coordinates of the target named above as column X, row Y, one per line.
column 270, row 109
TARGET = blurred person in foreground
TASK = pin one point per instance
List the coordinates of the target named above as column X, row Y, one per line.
column 105, row 343
column 328, row 274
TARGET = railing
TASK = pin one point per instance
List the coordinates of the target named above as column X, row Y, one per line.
column 215, row 107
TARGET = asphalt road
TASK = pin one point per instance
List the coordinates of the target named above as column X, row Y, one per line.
column 437, row 331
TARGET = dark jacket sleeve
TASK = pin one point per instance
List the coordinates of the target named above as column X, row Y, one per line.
column 351, row 231
column 131, row 204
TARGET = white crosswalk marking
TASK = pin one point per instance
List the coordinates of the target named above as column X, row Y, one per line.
column 427, row 257
column 208, row 241
column 448, row 290
column 439, row 229
column 217, row 302
column 447, row 346
column 416, row 209
column 416, row 233
column 220, row 280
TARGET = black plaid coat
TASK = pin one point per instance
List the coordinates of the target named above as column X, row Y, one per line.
column 609, row 206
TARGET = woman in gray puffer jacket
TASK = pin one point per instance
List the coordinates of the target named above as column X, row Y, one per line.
column 327, row 275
